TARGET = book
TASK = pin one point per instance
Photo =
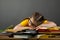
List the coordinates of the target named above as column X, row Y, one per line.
column 22, row 36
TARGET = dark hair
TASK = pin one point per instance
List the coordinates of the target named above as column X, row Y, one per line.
column 38, row 18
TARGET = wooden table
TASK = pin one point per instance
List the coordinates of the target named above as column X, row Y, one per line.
column 2, row 37
column 11, row 38
column 30, row 39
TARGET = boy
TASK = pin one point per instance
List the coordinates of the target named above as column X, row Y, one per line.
column 37, row 21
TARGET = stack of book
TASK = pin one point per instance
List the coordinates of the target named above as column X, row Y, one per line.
column 26, row 34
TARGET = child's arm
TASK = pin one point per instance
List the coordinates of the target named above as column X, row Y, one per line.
column 46, row 25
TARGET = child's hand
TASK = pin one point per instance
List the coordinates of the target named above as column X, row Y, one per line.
column 31, row 28
column 41, row 27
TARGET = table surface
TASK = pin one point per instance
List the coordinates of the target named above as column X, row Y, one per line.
column 7, row 38
column 31, row 38
column 2, row 37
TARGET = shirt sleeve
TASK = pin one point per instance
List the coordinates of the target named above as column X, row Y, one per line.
column 24, row 22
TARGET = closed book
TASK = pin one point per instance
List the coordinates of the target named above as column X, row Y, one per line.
column 22, row 36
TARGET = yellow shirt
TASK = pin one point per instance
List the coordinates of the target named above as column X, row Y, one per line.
column 24, row 22
column 45, row 22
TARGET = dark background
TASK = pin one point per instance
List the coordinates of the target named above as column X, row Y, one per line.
column 13, row 11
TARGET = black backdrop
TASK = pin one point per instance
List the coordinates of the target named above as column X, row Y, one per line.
column 13, row 11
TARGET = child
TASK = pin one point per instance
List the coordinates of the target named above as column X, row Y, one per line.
column 37, row 21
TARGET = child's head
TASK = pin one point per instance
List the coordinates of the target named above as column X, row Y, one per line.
column 36, row 19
